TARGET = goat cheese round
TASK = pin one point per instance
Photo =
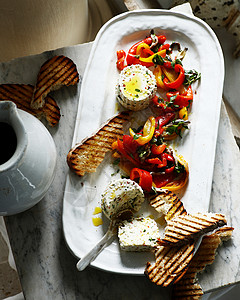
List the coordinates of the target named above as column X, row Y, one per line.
column 138, row 234
column 120, row 195
column 136, row 87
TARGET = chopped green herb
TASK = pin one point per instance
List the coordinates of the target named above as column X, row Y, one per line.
column 136, row 136
column 176, row 126
column 191, row 76
column 173, row 64
column 178, row 61
column 158, row 60
column 179, row 168
column 143, row 152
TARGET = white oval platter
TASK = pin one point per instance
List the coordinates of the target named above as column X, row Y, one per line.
column 98, row 103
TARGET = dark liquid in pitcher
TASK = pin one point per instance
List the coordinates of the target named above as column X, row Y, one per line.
column 8, row 142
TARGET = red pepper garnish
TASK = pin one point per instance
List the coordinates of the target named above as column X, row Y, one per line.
column 121, row 63
column 162, row 160
column 120, row 54
column 156, row 150
column 129, row 144
column 161, row 121
column 170, row 170
column 156, row 100
column 179, row 81
column 165, row 46
column 131, row 56
column 161, row 180
column 145, row 178
column 168, row 157
column 164, row 119
column 148, row 52
column 182, row 100
column 121, row 149
column 155, row 161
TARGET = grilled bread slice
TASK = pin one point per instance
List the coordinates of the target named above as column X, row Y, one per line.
column 171, row 263
column 188, row 287
column 86, row 156
column 183, row 228
column 21, row 95
column 168, row 204
column 53, row 74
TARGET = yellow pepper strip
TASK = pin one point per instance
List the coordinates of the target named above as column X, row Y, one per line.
column 140, row 47
column 148, row 131
column 158, row 75
column 183, row 113
column 150, row 58
column 170, row 74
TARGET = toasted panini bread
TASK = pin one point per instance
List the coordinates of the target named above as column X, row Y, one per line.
column 21, row 95
column 86, row 156
column 53, row 74
column 188, row 287
column 170, row 265
column 168, row 204
column 183, row 228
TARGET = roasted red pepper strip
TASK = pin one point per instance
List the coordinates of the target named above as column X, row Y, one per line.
column 157, row 101
column 120, row 148
column 161, row 121
column 121, row 63
column 167, row 157
column 164, row 119
column 165, row 46
column 131, row 55
column 156, row 150
column 182, row 100
column 155, row 161
column 147, row 52
column 170, row 170
column 145, row 178
column 179, row 81
column 129, row 144
column 120, row 54
column 161, row 180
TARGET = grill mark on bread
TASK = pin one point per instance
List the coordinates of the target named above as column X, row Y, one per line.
column 51, row 106
column 187, row 291
column 21, row 95
column 46, row 83
column 176, row 209
column 54, row 73
column 180, row 229
column 170, row 265
column 49, row 64
column 86, row 156
column 167, row 203
column 188, row 287
column 61, row 76
column 15, row 93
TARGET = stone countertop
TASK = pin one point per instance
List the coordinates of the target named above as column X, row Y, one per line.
column 47, row 269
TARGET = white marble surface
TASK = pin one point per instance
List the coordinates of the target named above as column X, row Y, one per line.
column 46, row 266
